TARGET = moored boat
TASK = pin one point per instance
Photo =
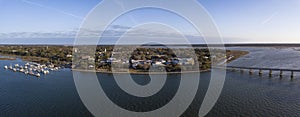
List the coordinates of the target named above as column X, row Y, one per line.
column 38, row 75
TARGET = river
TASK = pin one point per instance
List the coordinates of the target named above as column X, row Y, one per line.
column 55, row 94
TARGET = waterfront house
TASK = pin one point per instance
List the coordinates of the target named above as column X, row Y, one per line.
column 69, row 56
column 186, row 61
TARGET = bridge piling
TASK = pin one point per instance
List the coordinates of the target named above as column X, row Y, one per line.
column 250, row 71
column 233, row 70
column 292, row 74
column 242, row 70
column 261, row 69
column 260, row 72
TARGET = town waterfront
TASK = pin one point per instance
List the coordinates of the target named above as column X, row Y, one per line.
column 243, row 94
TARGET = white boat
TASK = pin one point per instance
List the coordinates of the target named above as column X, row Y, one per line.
column 14, row 69
column 5, row 67
column 38, row 75
column 16, row 65
column 46, row 72
column 27, row 64
column 56, row 68
column 31, row 73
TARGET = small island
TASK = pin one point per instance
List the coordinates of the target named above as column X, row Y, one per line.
column 108, row 58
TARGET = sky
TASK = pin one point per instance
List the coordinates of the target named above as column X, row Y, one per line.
column 239, row 21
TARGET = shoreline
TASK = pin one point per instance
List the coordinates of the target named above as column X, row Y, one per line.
column 230, row 55
column 40, row 60
column 8, row 59
column 138, row 72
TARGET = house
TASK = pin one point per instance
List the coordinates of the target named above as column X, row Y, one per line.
column 157, row 57
column 158, row 64
column 91, row 66
column 69, row 56
column 89, row 58
column 186, row 61
column 136, row 63
column 112, row 60
column 85, row 57
column 213, row 56
column 75, row 50
column 124, row 61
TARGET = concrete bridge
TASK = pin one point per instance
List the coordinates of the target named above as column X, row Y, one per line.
column 260, row 69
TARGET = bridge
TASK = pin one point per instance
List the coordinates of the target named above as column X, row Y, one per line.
column 260, row 69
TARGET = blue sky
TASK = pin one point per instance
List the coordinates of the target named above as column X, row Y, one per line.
column 238, row 20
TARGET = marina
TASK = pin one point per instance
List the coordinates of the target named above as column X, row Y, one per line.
column 31, row 68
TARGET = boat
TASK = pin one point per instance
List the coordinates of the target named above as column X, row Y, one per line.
column 31, row 73
column 32, row 69
column 46, row 72
column 56, row 68
column 27, row 64
column 38, row 75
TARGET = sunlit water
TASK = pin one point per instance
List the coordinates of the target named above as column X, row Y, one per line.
column 243, row 94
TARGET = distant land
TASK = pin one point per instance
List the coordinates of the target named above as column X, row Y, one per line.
column 107, row 58
column 109, row 42
column 194, row 45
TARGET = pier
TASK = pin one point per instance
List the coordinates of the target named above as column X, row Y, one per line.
column 260, row 70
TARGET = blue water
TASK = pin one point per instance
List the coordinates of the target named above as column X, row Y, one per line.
column 50, row 95
column 55, row 94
